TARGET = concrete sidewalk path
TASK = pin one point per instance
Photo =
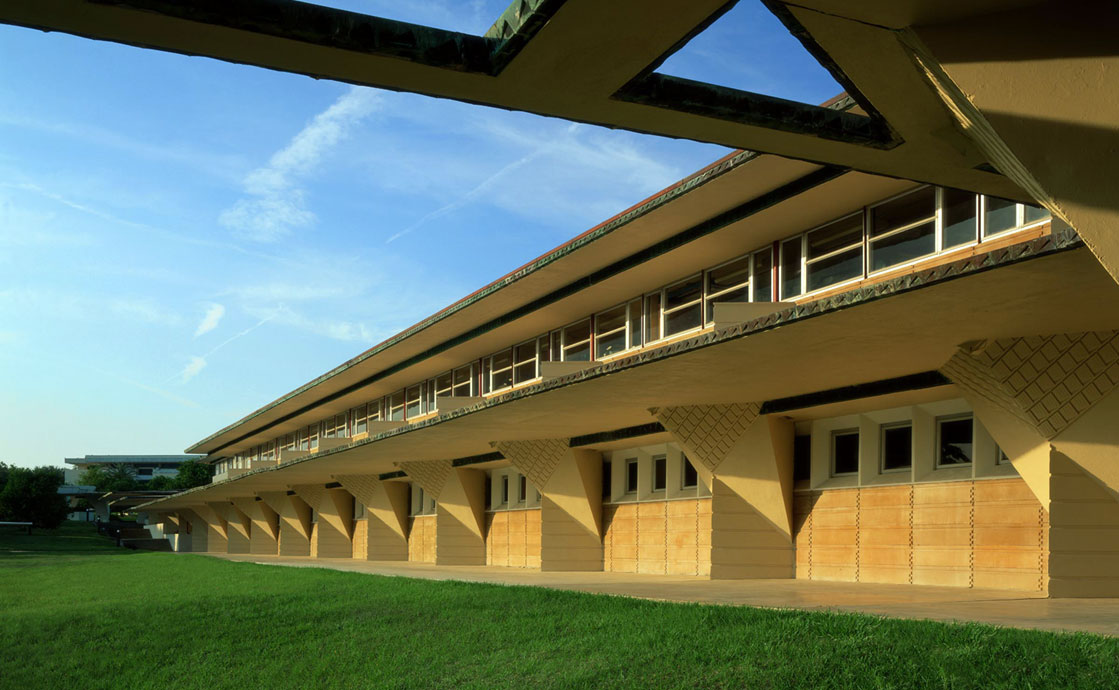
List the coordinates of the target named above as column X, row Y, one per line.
column 996, row 607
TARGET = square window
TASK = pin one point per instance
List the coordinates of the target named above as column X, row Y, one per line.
column 631, row 475
column 903, row 229
column 1001, row 457
column 660, row 476
column 897, row 447
column 691, row 477
column 610, row 332
column 845, row 452
column 955, row 440
column 999, row 215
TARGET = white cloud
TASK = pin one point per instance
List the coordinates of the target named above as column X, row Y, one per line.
column 192, row 369
column 210, row 320
column 276, row 204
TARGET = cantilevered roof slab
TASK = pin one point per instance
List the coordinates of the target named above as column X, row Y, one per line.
column 587, row 61
column 850, row 339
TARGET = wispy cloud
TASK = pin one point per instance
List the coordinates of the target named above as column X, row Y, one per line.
column 211, row 320
column 196, row 364
column 192, row 369
column 275, row 204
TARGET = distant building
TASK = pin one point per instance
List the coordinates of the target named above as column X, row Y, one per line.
column 146, row 466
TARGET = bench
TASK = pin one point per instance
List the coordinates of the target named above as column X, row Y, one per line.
column 18, row 524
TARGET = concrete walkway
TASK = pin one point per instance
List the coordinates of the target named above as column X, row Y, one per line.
column 997, row 607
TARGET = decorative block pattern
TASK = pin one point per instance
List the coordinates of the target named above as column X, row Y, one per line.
column 431, row 475
column 536, row 459
column 1047, row 381
column 985, row 533
column 313, row 494
column 708, row 432
column 362, row 486
column 275, row 500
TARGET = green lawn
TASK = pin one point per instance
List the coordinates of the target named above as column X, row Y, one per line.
column 76, row 612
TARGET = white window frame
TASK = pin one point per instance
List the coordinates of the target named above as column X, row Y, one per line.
column 836, row 433
column 864, row 254
column 625, row 307
column 493, row 370
column 940, row 248
column 780, row 287
column 954, row 418
column 708, row 297
column 665, row 311
column 882, row 447
column 625, row 477
column 773, row 288
column 661, row 457
column 565, row 346
column 535, row 342
column 936, row 231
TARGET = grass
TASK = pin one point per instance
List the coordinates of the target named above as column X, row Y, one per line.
column 77, row 612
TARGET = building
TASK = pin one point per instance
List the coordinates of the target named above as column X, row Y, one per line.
column 880, row 343
column 146, row 467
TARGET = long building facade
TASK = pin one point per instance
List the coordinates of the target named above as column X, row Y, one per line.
column 772, row 369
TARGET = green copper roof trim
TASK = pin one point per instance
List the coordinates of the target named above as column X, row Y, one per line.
column 740, row 212
column 689, row 184
column 1060, row 241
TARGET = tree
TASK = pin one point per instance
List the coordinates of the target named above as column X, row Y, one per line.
column 160, row 482
column 31, row 495
column 115, row 477
column 193, row 473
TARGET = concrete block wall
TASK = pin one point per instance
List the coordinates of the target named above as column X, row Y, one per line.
column 331, row 537
column 661, row 537
column 295, row 517
column 421, row 539
column 981, row 533
column 1084, row 535
column 361, row 539
column 513, row 538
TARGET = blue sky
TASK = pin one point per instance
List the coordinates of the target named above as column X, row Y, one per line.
column 184, row 240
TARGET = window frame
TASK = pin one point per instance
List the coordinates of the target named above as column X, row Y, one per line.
column 708, row 296
column 882, row 469
column 864, row 253
column 939, row 421
column 632, row 462
column 625, row 330
column 589, row 341
column 662, row 460
column 665, row 311
column 937, row 234
column 835, row 434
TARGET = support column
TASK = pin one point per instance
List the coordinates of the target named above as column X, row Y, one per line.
column 265, row 529
column 237, row 526
column 190, row 525
column 332, row 536
column 213, row 526
column 1052, row 405
column 570, row 483
column 386, row 505
column 747, row 460
column 294, row 521
column 460, row 500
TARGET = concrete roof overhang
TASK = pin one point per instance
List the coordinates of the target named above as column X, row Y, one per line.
column 739, row 204
column 912, row 325
column 595, row 62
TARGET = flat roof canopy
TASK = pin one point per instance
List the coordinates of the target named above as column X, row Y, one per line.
column 595, row 62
